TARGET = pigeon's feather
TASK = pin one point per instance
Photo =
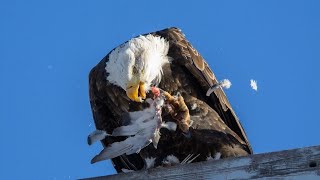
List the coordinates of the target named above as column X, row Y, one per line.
column 96, row 135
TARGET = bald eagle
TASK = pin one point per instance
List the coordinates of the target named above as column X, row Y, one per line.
column 121, row 82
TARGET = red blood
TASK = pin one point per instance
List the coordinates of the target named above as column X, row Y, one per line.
column 155, row 91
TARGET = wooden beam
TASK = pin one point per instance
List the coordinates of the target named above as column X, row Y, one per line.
column 303, row 163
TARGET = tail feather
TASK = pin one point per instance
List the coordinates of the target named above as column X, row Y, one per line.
column 116, row 149
column 129, row 146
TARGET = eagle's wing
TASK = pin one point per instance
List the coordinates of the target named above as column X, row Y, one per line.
column 108, row 103
column 184, row 54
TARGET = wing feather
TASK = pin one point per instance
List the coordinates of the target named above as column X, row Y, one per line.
column 183, row 53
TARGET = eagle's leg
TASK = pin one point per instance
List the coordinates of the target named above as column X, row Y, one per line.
column 178, row 110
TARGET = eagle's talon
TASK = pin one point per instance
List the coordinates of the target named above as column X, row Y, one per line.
column 178, row 109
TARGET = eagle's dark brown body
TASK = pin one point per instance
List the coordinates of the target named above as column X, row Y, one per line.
column 215, row 128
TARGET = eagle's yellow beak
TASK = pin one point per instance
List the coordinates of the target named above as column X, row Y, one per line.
column 136, row 90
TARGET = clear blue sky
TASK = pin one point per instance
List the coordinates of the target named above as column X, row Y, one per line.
column 47, row 49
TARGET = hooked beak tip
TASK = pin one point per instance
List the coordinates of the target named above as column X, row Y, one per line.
column 136, row 92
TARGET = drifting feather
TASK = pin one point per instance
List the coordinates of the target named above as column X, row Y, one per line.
column 225, row 83
column 254, row 85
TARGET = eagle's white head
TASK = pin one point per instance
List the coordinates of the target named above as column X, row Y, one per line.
column 137, row 64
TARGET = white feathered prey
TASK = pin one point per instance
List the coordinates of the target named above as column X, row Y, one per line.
column 144, row 128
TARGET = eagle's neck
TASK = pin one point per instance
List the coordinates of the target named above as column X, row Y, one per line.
column 143, row 56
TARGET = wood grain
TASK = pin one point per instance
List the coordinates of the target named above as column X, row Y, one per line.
column 303, row 163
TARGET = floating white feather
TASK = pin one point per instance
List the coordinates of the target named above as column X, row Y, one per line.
column 225, row 83
column 254, row 85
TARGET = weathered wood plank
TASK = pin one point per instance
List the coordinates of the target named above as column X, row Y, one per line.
column 301, row 163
